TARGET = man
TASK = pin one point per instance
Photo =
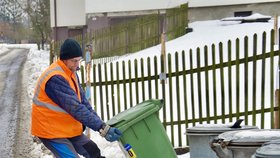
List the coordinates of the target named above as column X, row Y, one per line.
column 60, row 110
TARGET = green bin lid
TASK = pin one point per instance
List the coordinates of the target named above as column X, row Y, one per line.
column 129, row 117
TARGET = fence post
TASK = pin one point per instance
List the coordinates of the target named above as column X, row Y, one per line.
column 162, row 75
column 163, row 60
column 88, row 84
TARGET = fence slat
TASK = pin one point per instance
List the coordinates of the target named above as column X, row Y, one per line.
column 207, row 102
column 178, row 99
column 199, row 84
column 118, row 87
column 101, row 91
column 246, row 79
column 142, row 79
column 136, row 81
column 185, row 91
column 130, row 84
column 237, row 78
column 106, row 91
column 112, row 89
column 149, row 78
column 229, row 81
column 272, row 36
column 263, row 79
column 171, row 98
column 214, row 82
column 222, row 82
column 254, row 78
column 124, row 85
column 192, row 87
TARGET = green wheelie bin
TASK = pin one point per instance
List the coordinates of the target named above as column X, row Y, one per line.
column 143, row 130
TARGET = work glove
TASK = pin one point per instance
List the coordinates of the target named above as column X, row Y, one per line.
column 110, row 133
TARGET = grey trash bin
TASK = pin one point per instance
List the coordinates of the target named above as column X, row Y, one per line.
column 201, row 136
column 270, row 149
column 242, row 144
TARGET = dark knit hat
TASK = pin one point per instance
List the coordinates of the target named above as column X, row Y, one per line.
column 70, row 49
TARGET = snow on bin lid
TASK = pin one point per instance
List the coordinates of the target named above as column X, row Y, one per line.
column 271, row 149
column 127, row 118
column 249, row 137
column 216, row 128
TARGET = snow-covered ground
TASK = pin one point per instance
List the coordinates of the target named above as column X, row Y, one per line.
column 205, row 33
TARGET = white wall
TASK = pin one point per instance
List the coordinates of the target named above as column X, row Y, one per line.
column 202, row 3
column 73, row 12
column 69, row 13
column 100, row 6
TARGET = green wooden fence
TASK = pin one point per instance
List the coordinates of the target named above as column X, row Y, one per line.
column 134, row 35
column 215, row 84
column 140, row 33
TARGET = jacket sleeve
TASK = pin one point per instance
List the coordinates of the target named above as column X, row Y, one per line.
column 59, row 90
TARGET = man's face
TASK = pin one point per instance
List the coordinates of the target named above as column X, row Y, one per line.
column 73, row 63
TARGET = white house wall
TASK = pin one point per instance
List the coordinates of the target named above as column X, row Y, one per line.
column 68, row 13
column 103, row 6
column 207, row 3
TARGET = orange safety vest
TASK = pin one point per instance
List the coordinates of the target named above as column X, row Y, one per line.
column 48, row 119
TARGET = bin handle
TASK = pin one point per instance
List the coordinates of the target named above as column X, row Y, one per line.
column 237, row 124
column 114, row 122
column 219, row 147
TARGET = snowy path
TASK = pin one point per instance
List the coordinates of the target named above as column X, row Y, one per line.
column 11, row 63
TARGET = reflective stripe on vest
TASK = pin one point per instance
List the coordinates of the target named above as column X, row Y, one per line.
column 43, row 104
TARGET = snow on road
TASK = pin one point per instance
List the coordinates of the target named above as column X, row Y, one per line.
column 11, row 63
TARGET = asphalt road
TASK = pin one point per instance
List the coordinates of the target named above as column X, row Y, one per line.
column 11, row 69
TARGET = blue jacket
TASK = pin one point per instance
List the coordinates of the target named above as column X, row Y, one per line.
column 58, row 89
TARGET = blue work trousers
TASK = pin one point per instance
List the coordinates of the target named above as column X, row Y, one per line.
column 72, row 147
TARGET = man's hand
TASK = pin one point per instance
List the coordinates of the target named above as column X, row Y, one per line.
column 110, row 133
column 113, row 134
